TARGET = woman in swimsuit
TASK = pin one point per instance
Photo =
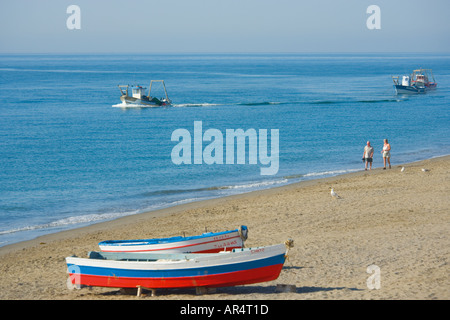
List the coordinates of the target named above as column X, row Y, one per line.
column 386, row 154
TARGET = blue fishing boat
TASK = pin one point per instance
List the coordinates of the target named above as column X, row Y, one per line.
column 420, row 81
column 208, row 242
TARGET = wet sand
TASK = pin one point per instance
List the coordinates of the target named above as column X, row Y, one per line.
column 397, row 221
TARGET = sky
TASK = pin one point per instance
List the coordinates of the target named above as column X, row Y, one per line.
column 225, row 26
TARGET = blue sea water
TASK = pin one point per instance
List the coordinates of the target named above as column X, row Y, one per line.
column 68, row 158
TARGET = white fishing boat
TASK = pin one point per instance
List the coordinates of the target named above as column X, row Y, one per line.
column 181, row 270
column 420, row 81
column 139, row 98
column 208, row 242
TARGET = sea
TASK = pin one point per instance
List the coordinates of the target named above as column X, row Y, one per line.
column 71, row 155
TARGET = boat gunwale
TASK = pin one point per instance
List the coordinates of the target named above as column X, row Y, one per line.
column 157, row 261
column 155, row 241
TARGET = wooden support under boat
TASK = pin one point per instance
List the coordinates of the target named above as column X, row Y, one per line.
column 139, row 291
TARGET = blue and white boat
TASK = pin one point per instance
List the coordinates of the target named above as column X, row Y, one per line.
column 418, row 82
column 209, row 242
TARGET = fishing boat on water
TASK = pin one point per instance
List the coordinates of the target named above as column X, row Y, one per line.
column 180, row 270
column 208, row 242
column 420, row 81
column 139, row 98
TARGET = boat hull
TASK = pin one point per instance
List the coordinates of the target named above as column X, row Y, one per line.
column 205, row 243
column 243, row 266
column 399, row 89
column 127, row 100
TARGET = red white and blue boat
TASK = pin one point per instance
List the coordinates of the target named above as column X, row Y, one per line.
column 420, row 81
column 156, row 270
column 209, row 242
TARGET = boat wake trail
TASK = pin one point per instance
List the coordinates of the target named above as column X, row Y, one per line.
column 305, row 102
column 190, row 105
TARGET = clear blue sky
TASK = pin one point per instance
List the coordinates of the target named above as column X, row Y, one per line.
column 146, row 26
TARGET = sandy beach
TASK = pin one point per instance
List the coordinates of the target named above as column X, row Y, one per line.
column 397, row 221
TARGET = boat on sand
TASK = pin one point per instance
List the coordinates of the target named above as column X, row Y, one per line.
column 178, row 270
column 208, row 242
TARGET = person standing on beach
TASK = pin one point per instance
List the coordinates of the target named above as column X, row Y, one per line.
column 386, row 153
column 368, row 155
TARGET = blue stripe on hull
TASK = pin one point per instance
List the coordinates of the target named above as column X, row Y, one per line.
column 162, row 240
column 409, row 89
column 166, row 273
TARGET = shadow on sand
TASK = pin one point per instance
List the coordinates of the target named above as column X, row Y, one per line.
column 229, row 291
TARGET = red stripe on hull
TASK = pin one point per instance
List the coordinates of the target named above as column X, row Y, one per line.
column 217, row 250
column 257, row 275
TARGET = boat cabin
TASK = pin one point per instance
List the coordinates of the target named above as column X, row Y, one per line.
column 421, row 77
column 405, row 81
column 138, row 92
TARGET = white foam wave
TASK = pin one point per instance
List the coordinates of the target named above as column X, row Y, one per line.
column 127, row 105
column 89, row 218
column 184, row 201
column 329, row 173
column 257, row 184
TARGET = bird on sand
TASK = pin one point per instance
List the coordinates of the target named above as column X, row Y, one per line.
column 403, row 169
column 334, row 194
column 425, row 170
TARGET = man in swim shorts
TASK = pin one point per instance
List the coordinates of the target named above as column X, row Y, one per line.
column 368, row 155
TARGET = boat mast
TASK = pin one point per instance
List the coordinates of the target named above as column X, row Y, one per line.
column 165, row 91
column 164, row 86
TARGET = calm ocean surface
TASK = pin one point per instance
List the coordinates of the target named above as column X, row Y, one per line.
column 68, row 158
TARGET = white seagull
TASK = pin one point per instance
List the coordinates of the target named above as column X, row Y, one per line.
column 403, row 169
column 334, row 194
column 425, row 170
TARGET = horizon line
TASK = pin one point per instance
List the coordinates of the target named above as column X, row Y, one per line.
column 221, row 52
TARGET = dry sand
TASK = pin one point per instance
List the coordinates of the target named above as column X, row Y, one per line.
column 398, row 221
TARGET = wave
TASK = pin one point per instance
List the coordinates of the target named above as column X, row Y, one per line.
column 184, row 105
column 304, row 102
column 73, row 71
column 384, row 100
column 325, row 102
column 250, row 185
column 74, row 220
column 216, row 191
column 126, row 105
column 135, row 105
column 265, row 103
column 306, row 176
column 381, row 100
column 330, row 173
